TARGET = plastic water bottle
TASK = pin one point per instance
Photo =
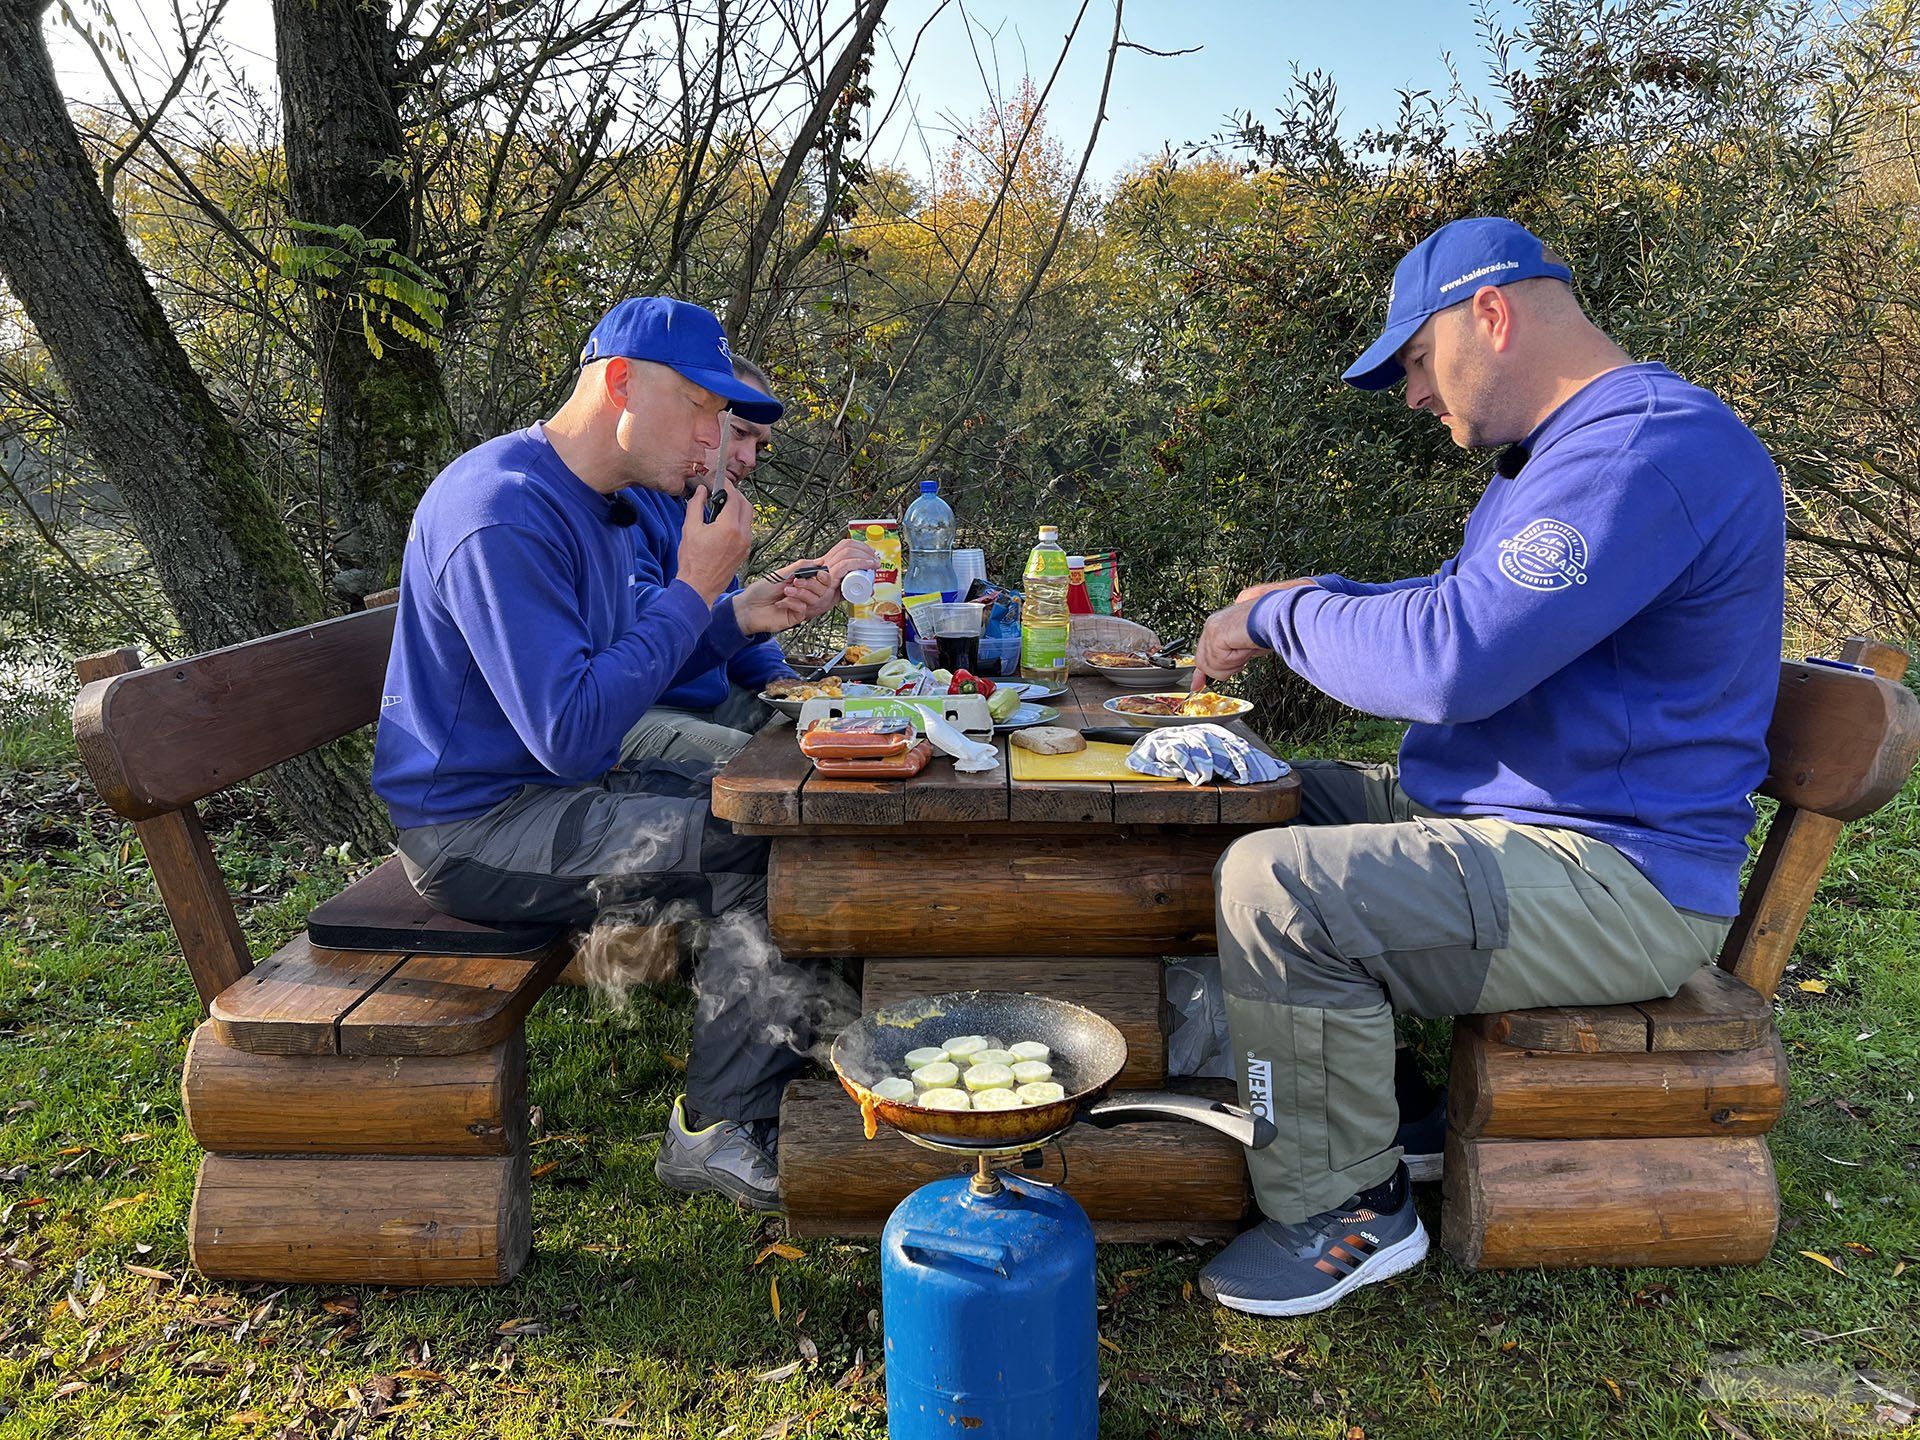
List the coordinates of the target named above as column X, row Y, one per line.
column 928, row 527
column 1043, row 616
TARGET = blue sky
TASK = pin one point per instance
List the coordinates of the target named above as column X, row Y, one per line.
column 1372, row 48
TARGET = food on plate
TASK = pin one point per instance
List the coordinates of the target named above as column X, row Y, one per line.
column 791, row 689
column 1029, row 1049
column 945, row 1099
column 925, row 1055
column 997, row 1100
column 1206, row 703
column 1115, row 659
column 1050, row 740
column 988, row 1077
column 1040, row 1092
column 862, row 654
column 1031, row 1072
column 937, row 1076
column 960, row 1047
column 894, row 1088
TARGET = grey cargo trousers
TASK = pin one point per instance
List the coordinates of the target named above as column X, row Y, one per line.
column 1369, row 905
column 641, row 844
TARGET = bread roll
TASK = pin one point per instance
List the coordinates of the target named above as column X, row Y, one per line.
column 1050, row 740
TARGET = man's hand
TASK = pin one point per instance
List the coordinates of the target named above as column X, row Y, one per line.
column 845, row 558
column 769, row 606
column 1226, row 647
column 711, row 555
column 1254, row 592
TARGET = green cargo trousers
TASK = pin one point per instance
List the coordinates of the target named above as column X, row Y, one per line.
column 1368, row 906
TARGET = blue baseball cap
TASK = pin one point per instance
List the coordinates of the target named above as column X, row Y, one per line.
column 685, row 338
column 1442, row 270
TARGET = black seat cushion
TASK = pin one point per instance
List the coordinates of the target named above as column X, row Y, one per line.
column 382, row 911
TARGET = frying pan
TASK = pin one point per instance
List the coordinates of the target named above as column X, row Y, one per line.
column 1088, row 1053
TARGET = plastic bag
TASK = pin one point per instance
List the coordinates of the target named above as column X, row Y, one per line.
column 1197, row 1039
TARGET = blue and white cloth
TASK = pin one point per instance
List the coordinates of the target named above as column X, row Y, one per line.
column 1200, row 754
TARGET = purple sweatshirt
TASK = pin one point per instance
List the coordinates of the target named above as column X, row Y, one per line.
column 518, row 658
column 1604, row 651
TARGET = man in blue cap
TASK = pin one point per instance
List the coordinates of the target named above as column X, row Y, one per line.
column 520, row 661
column 1589, row 681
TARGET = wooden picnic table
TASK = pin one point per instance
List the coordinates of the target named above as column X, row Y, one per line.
column 1076, row 889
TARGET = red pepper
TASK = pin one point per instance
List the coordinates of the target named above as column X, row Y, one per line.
column 965, row 682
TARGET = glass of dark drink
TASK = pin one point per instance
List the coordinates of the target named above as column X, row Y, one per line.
column 957, row 652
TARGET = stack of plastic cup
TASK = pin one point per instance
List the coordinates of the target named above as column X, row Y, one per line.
column 969, row 566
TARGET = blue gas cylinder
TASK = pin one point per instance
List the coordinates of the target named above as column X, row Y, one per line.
column 989, row 1314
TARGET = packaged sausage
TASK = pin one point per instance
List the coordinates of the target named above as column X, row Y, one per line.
column 894, row 767
column 858, row 737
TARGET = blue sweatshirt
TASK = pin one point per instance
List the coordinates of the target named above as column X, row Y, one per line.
column 1602, row 654
column 698, row 686
column 518, row 658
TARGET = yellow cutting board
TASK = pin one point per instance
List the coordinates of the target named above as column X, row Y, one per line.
column 1099, row 761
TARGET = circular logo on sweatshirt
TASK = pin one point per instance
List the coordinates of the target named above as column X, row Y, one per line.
column 1545, row 555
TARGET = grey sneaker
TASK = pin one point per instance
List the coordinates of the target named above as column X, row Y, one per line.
column 1277, row 1269
column 734, row 1158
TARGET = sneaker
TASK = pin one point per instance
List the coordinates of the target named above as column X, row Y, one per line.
column 1423, row 1143
column 734, row 1158
column 1277, row 1269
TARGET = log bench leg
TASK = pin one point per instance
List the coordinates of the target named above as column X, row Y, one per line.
column 332, row 1169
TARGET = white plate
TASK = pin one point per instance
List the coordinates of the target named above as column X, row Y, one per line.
column 1033, row 689
column 1028, row 715
column 1157, row 722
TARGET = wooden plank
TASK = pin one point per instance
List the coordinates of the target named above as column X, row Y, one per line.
column 1578, row 1029
column 473, row 1104
column 827, row 801
column 184, row 869
column 1774, row 905
column 835, row 1181
column 1839, row 744
column 761, row 784
column 1563, row 1203
column 349, row 1220
column 1128, row 990
column 994, row 894
column 942, row 795
column 1105, row 1232
column 292, row 1002
column 1502, row 1092
column 450, row 1004
column 1711, row 1011
column 161, row 738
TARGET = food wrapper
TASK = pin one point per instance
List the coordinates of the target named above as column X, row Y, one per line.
column 1202, row 753
column 969, row 756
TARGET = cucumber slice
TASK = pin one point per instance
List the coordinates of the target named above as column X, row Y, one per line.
column 936, row 1076
column 1030, row 1050
column 945, row 1098
column 994, row 1057
column 997, row 1100
column 988, row 1077
column 1040, row 1092
column 925, row 1055
column 1027, row 1072
column 894, row 1088
column 960, row 1047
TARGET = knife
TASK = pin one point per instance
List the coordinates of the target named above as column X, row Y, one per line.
column 1119, row 734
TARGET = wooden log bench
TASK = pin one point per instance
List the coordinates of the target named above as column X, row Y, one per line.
column 1635, row 1134
column 361, row 1092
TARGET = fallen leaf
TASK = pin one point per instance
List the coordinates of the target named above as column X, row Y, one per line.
column 149, row 1272
column 1812, row 987
column 133, row 1137
column 521, row 1325
column 1186, row 1286
column 547, row 1169
column 1899, row 1267
column 1354, row 1432
column 674, row 1062
column 783, row 1250
column 1815, row 1255
column 1859, row 1249
column 1613, row 1388
column 783, row 1372
column 342, row 1305
column 1727, row 1425
column 773, row 1291
column 72, row 1387
column 1110, row 1345
column 126, row 1200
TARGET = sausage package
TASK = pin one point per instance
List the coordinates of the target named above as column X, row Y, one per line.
column 894, row 767
column 858, row 737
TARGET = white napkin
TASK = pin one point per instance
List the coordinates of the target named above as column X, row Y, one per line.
column 969, row 756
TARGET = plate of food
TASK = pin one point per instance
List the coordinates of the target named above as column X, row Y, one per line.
column 859, row 662
column 1135, row 671
column 1177, row 707
column 787, row 696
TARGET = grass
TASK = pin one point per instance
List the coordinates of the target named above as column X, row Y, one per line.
column 645, row 1313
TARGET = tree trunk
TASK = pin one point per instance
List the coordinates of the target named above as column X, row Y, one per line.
column 386, row 427
column 222, row 555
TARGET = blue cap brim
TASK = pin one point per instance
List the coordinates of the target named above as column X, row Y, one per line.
column 745, row 401
column 1377, row 369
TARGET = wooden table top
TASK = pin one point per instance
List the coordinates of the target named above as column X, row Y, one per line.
column 769, row 788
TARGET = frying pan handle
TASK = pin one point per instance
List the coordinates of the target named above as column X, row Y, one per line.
column 1255, row 1132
